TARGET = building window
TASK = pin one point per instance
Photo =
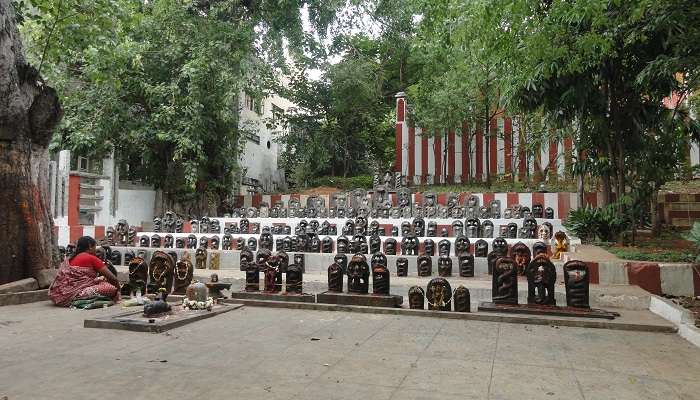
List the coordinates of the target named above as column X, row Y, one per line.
column 252, row 104
column 249, row 102
column 253, row 137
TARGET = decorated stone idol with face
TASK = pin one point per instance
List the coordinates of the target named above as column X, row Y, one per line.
column 481, row 248
column 425, row 265
column 445, row 266
column 487, row 228
column 401, row 266
column 537, row 210
column 472, row 228
column 444, row 247
column 429, row 247
column 549, row 213
column 410, row 244
column 343, row 245
column 521, row 254
column 358, row 275
column 462, row 246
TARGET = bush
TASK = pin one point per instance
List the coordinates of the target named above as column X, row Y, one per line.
column 349, row 183
column 694, row 236
column 604, row 224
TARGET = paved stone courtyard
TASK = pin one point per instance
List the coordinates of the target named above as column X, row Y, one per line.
column 266, row 353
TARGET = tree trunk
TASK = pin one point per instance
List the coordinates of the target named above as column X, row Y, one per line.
column 654, row 211
column 29, row 110
column 607, row 189
column 621, row 186
column 487, row 127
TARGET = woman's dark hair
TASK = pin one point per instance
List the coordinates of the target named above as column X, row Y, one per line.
column 83, row 244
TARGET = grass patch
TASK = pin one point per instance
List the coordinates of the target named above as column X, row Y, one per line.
column 649, row 254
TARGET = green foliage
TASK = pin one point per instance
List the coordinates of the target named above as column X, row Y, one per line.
column 694, row 236
column 158, row 83
column 349, row 183
column 603, row 223
column 344, row 124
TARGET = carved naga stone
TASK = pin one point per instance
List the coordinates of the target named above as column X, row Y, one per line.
column 252, row 277
column 466, row 265
column 504, row 288
column 520, row 253
column 138, row 273
column 401, row 266
column 183, row 274
column 481, row 248
column 335, row 278
column 294, row 279
column 416, row 298
column 577, row 281
column 425, row 265
column 161, row 271
column 541, row 277
column 200, row 257
column 445, row 266
column 358, row 275
column 380, row 279
column 439, row 294
column 500, row 249
column 461, row 299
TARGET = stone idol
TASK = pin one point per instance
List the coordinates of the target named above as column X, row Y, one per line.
column 504, row 289
column 541, row 277
column 577, row 281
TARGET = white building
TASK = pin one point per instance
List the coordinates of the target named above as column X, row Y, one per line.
column 259, row 158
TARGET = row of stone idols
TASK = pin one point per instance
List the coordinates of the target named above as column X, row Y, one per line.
column 273, row 266
column 472, row 228
column 541, row 279
column 409, row 245
column 360, row 203
column 440, row 297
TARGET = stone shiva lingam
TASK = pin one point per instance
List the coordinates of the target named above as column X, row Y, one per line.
column 197, row 297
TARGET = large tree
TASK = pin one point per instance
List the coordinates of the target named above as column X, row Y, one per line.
column 29, row 111
column 159, row 83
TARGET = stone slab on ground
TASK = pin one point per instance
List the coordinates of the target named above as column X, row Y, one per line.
column 283, row 296
column 534, row 309
column 22, row 285
column 280, row 354
column 135, row 321
column 354, row 299
column 10, row 299
column 643, row 321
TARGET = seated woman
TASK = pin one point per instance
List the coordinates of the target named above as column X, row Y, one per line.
column 78, row 277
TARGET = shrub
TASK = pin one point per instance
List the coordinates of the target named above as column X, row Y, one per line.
column 349, row 183
column 694, row 236
column 604, row 224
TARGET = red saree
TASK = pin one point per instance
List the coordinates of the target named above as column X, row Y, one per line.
column 79, row 283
